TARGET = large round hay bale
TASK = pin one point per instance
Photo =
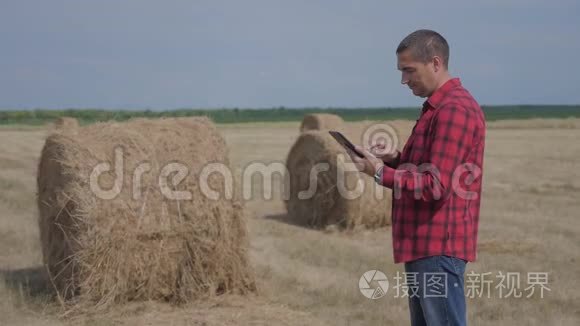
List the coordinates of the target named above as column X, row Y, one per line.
column 142, row 242
column 321, row 121
column 343, row 196
column 66, row 124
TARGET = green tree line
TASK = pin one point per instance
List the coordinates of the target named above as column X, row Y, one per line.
column 236, row 115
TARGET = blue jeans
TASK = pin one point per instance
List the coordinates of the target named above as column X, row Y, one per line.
column 437, row 297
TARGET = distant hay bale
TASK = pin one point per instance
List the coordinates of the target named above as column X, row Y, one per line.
column 66, row 123
column 139, row 244
column 321, row 121
column 332, row 203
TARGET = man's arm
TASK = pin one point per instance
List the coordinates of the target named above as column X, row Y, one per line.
column 450, row 143
column 394, row 162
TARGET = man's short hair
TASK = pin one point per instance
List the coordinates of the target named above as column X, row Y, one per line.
column 424, row 44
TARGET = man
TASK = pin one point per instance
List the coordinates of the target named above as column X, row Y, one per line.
column 436, row 182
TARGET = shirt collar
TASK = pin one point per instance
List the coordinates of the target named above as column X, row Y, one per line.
column 435, row 99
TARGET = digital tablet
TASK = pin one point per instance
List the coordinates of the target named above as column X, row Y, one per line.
column 345, row 143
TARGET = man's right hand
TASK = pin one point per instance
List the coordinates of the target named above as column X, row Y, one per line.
column 380, row 151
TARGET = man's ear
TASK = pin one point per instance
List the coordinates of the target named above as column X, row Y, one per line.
column 437, row 63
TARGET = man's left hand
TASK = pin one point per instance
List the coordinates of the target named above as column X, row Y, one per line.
column 369, row 164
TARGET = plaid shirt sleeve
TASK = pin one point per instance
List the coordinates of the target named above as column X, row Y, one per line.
column 395, row 162
column 437, row 183
column 433, row 181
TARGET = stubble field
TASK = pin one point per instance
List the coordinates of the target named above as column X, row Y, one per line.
column 530, row 223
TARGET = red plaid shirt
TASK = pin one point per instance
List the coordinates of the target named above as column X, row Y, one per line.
column 436, row 180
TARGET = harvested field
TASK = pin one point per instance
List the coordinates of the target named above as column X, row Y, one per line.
column 529, row 223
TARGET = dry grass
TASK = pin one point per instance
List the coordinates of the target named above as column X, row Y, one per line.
column 327, row 207
column 113, row 250
column 529, row 223
column 66, row 124
column 321, row 121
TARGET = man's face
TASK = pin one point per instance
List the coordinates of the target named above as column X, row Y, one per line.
column 419, row 76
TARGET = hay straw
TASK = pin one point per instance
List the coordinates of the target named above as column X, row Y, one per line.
column 101, row 252
column 371, row 209
column 321, row 121
column 66, row 124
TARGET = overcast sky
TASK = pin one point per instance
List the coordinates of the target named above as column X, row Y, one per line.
column 174, row 54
